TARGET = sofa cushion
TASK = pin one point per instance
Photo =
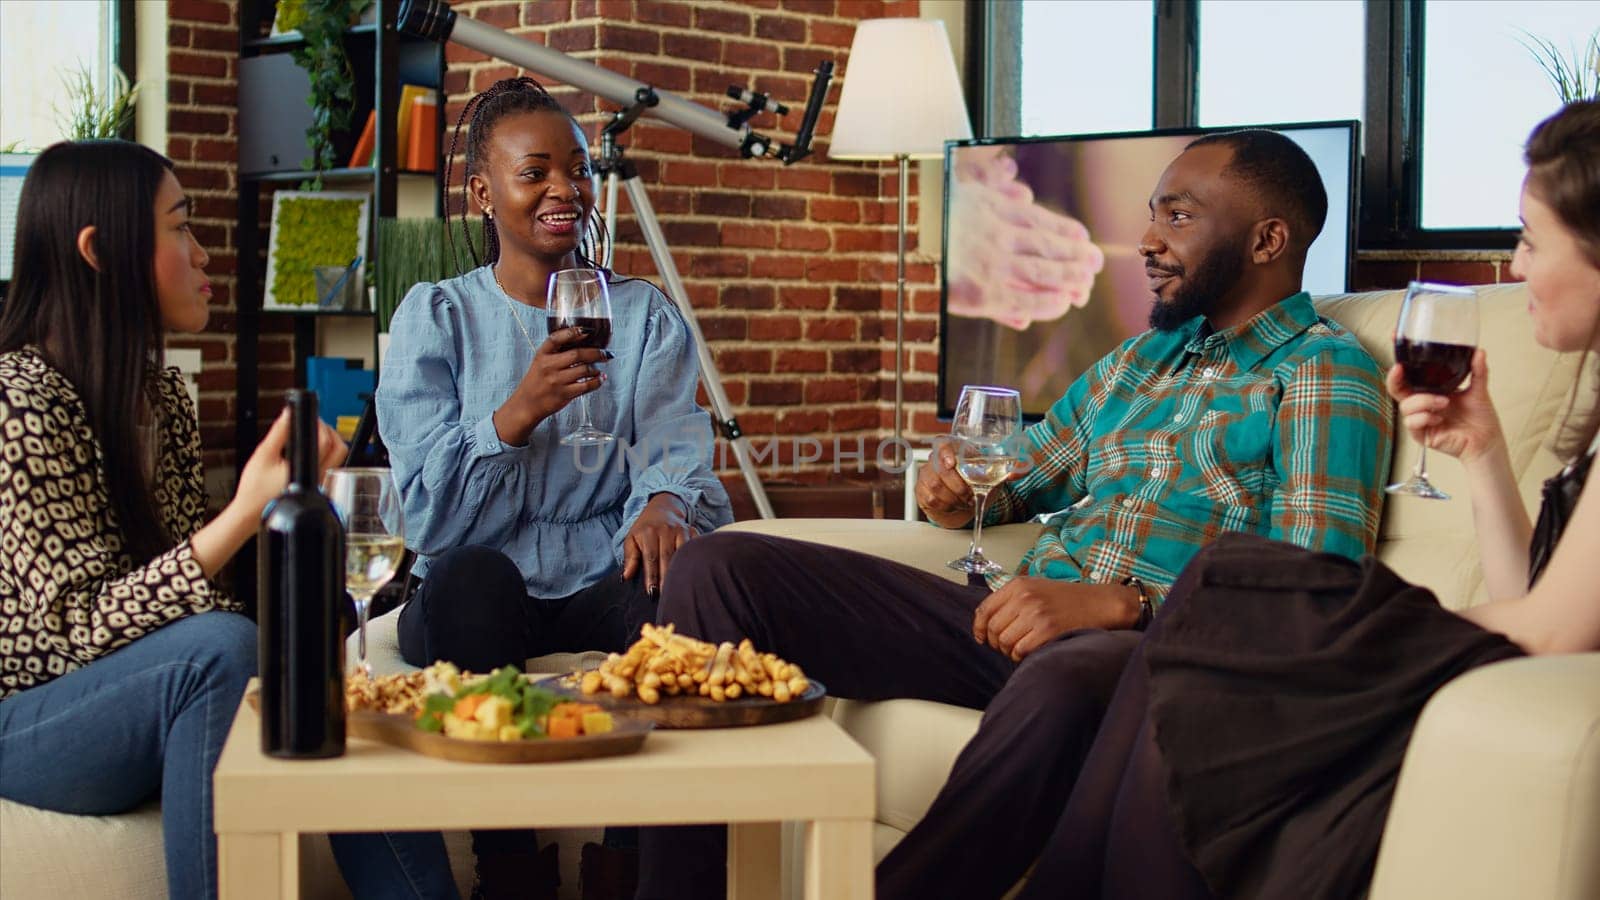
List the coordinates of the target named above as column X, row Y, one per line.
column 915, row 743
column 51, row 854
column 1432, row 542
column 921, row 545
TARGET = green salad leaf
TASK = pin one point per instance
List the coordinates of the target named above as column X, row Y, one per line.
column 531, row 704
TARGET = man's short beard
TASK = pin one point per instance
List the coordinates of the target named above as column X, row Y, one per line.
column 1197, row 293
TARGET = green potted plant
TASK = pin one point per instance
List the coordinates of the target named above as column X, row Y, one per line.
column 91, row 113
column 322, row 24
column 412, row 251
column 1576, row 77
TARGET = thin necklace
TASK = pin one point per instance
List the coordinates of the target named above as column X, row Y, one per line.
column 506, row 295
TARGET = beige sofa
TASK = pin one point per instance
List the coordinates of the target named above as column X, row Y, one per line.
column 1500, row 794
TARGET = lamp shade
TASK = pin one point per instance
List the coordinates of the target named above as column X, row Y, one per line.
column 901, row 94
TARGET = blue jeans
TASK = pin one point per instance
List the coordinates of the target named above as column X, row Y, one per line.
column 151, row 718
column 148, row 717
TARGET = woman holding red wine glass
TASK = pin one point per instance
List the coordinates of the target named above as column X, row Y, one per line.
column 1433, row 345
column 541, row 525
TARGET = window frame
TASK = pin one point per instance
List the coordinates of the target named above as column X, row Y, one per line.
column 1389, row 207
column 124, row 51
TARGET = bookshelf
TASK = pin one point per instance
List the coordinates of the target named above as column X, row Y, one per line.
column 273, row 116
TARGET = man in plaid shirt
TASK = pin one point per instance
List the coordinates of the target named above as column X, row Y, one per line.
column 1241, row 410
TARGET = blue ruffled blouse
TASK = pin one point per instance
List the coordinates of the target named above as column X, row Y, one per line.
column 560, row 513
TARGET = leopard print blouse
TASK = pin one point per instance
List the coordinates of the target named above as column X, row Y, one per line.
column 69, row 594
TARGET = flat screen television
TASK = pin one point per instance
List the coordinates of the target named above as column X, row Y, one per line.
column 1104, row 181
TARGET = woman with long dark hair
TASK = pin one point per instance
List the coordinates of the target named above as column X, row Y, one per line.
column 527, row 546
column 1254, row 742
column 121, row 661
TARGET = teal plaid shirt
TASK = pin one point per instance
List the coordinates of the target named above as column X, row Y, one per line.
column 1278, row 427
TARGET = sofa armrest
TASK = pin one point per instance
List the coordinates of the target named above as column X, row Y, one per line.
column 1499, row 795
column 921, row 545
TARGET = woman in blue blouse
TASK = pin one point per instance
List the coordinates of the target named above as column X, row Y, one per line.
column 527, row 546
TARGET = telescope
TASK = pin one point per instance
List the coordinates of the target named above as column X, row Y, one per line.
column 435, row 20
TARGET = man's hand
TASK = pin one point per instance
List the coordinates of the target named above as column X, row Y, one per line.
column 944, row 496
column 1027, row 613
column 656, row 535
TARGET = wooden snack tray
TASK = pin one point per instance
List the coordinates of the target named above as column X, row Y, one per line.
column 401, row 731
column 685, row 711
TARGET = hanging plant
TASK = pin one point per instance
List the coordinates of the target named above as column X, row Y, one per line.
column 322, row 23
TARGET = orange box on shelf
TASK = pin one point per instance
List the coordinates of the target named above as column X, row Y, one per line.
column 422, row 143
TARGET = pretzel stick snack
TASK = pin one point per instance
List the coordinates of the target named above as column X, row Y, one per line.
column 663, row 662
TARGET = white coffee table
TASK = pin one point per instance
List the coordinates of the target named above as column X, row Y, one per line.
column 752, row 778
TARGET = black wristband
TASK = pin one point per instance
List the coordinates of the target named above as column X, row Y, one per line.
column 1147, row 610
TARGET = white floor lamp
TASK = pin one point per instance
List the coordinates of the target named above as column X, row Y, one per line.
column 901, row 101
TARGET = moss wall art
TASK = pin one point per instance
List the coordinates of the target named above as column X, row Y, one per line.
column 310, row 229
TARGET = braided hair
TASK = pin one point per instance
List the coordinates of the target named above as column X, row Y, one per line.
column 505, row 97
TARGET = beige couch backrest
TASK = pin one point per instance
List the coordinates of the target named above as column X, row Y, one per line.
column 1429, row 541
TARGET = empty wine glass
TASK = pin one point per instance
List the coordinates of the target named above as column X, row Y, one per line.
column 368, row 504
column 1433, row 343
column 579, row 298
column 987, row 428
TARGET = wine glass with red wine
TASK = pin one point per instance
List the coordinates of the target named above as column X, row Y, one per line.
column 1433, row 343
column 579, row 298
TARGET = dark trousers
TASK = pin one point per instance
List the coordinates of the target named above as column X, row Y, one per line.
column 1117, row 837
column 870, row 629
column 473, row 610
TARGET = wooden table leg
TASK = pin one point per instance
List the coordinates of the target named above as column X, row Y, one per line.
column 839, row 859
column 258, row 866
column 755, row 861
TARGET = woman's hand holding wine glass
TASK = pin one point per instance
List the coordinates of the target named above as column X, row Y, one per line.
column 1463, row 425
column 1434, row 345
column 579, row 299
column 564, row 368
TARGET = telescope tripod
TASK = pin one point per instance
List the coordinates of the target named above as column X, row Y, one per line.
column 616, row 170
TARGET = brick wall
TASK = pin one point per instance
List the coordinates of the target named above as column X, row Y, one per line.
column 202, row 64
column 202, row 139
column 1394, row 269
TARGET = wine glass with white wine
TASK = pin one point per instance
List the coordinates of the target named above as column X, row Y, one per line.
column 987, row 428
column 368, row 504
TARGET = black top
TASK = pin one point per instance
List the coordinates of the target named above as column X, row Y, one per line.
column 1560, row 498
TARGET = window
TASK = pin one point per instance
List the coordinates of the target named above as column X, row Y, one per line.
column 1257, row 65
column 43, row 44
column 1443, row 89
column 1075, row 67
column 1482, row 92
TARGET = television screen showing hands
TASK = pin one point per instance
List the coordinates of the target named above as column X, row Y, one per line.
column 1013, row 260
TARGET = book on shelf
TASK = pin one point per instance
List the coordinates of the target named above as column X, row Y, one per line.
column 422, row 138
column 408, row 94
column 416, row 133
column 366, row 145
